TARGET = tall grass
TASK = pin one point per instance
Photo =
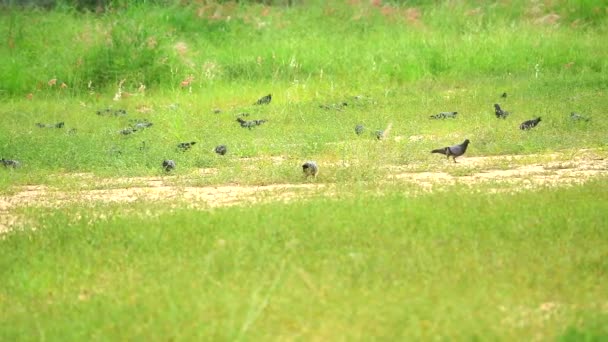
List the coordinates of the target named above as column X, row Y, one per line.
column 160, row 46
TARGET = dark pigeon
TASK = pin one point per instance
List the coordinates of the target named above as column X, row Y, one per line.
column 504, row 95
column 127, row 131
column 109, row 111
column 264, row 100
column 10, row 163
column 577, row 117
column 168, row 165
column 185, row 146
column 249, row 124
column 526, row 125
column 444, row 115
column 310, row 168
column 57, row 125
column 221, row 150
column 453, row 151
column 217, row 111
column 359, row 129
column 501, row 114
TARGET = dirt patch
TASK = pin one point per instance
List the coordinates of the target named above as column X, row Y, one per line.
column 517, row 171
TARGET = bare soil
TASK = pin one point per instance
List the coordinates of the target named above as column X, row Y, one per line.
column 512, row 170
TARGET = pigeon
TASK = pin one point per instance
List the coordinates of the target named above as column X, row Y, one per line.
column 221, row 150
column 382, row 134
column 127, row 131
column 217, row 111
column 504, row 95
column 168, row 165
column 57, row 125
column 453, row 151
column 249, row 124
column 359, row 129
column 336, row 106
column 310, row 168
column 185, row 146
column 140, row 124
column 264, row 100
column 501, row 114
column 577, row 117
column 444, row 115
column 108, row 111
column 10, row 163
column 526, row 125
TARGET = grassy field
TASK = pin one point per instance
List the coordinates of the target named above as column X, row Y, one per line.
column 389, row 242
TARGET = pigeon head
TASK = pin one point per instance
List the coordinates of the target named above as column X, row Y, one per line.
column 538, row 119
column 466, row 142
column 496, row 106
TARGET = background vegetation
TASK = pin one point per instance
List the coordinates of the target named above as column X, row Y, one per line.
column 365, row 259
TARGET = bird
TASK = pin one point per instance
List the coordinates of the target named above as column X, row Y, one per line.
column 10, row 163
column 336, row 106
column 577, row 117
column 168, row 165
column 249, row 124
column 264, row 100
column 504, row 95
column 185, row 146
column 501, row 114
column 382, row 134
column 310, row 168
column 526, row 125
column 221, row 150
column 444, row 115
column 359, row 129
column 453, row 151
column 127, row 131
column 57, row 125
column 140, row 124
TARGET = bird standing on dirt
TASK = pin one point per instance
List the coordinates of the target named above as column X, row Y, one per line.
column 310, row 168
column 264, row 100
column 221, row 150
column 453, row 151
column 501, row 114
column 168, row 165
column 526, row 125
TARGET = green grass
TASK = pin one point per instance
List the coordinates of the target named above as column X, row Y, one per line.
column 452, row 264
column 362, row 257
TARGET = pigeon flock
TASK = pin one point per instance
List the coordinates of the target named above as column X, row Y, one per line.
column 309, row 168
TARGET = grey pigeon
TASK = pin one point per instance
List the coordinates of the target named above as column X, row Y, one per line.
column 10, row 163
column 379, row 134
column 264, row 100
column 335, row 106
column 127, row 131
column 453, row 151
column 383, row 134
column 138, row 125
column 168, row 165
column 501, row 114
column 310, row 168
column 221, row 150
column 217, row 111
column 185, row 146
column 57, row 125
column 526, row 125
column 359, row 129
column 249, row 124
column 577, row 117
column 444, row 115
